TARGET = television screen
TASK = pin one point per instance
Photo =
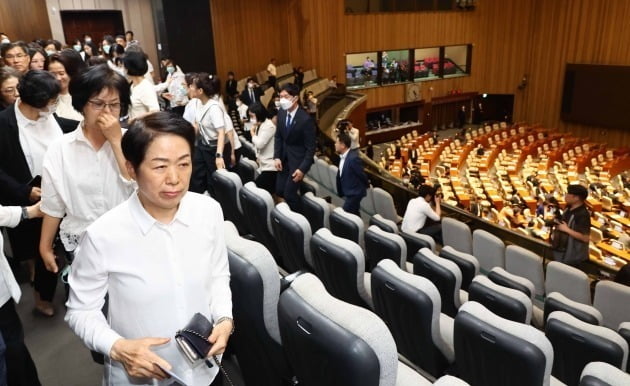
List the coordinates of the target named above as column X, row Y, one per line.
column 596, row 95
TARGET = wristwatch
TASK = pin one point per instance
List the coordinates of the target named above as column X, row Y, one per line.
column 219, row 155
column 24, row 214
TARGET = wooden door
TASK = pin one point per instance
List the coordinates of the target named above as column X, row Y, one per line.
column 95, row 23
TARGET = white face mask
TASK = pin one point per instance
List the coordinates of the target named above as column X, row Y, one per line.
column 286, row 103
column 43, row 115
column 88, row 40
column 252, row 120
column 106, row 49
column 5, row 41
column 277, row 103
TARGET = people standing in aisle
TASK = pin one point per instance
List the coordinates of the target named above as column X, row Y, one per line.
column 294, row 146
column 27, row 128
column 38, row 58
column 311, row 105
column 272, row 73
column 352, row 182
column 263, row 130
column 252, row 92
column 9, row 79
column 298, row 77
column 84, row 173
column 210, row 126
column 20, row 369
column 174, row 89
column 572, row 231
column 65, row 65
column 16, row 55
column 231, row 90
column 143, row 97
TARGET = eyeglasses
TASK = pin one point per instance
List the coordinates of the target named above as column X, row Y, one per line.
column 100, row 105
column 9, row 91
column 18, row 56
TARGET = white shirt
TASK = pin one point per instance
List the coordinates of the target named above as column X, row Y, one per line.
column 191, row 110
column 210, row 117
column 175, row 85
column 242, row 110
column 342, row 161
column 416, row 215
column 143, row 99
column 35, row 136
column 148, row 75
column 80, row 183
column 65, row 109
column 10, row 216
column 263, row 141
column 271, row 69
column 157, row 277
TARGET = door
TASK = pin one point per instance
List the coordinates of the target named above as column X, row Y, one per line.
column 95, row 23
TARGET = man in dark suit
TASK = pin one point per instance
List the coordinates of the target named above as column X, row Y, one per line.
column 352, row 182
column 30, row 122
column 294, row 145
column 252, row 93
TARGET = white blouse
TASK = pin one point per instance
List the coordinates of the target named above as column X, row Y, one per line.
column 10, row 216
column 263, row 141
column 157, row 277
column 81, row 184
column 65, row 109
column 143, row 99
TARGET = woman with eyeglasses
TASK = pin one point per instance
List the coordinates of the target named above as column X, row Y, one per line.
column 9, row 79
column 26, row 130
column 84, row 173
column 16, row 55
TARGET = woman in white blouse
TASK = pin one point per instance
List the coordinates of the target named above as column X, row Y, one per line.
column 65, row 65
column 161, row 257
column 84, row 173
column 263, row 130
column 143, row 97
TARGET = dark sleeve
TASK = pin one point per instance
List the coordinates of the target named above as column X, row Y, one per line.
column 13, row 192
column 277, row 144
column 582, row 222
column 309, row 144
column 357, row 169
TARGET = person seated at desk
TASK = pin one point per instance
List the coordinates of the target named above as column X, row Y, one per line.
column 480, row 150
column 419, row 210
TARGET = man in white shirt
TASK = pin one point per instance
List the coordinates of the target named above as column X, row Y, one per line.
column 20, row 369
column 271, row 71
column 419, row 209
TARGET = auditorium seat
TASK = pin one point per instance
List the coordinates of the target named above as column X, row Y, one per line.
column 226, row 186
column 555, row 301
column 415, row 242
column 316, row 210
column 468, row 264
column 613, row 301
column 493, row 351
column 410, row 306
column 504, row 278
column 449, row 380
column 332, row 178
column 330, row 342
column 527, row 264
column 624, row 331
column 596, row 235
column 247, row 149
column 488, row 249
column 384, row 205
column 367, row 203
column 293, row 236
column 445, row 275
column 340, row 265
column 247, row 169
column 255, row 286
column 505, row 302
column 347, row 225
column 309, row 185
column 569, row 281
column 324, row 174
column 380, row 245
column 457, row 234
column 603, row 374
column 257, row 204
column 576, row 343
column 383, row 223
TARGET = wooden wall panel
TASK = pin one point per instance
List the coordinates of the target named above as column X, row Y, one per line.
column 576, row 31
column 24, row 19
column 247, row 34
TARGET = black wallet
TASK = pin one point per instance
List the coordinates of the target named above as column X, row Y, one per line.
column 193, row 339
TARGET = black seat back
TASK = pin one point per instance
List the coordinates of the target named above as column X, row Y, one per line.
column 414, row 244
column 408, row 313
column 383, row 223
column 468, row 269
column 496, row 301
column 290, row 237
column 343, row 227
column 443, row 278
column 336, row 267
column 625, row 333
column 313, row 213
column 505, row 281
column 378, row 248
column 246, row 170
column 257, row 221
column 226, row 193
column 553, row 302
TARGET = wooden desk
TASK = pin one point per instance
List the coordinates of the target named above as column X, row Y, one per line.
column 614, row 251
column 614, row 216
column 594, row 205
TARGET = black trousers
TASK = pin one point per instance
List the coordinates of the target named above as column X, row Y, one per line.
column 434, row 230
column 267, row 180
column 287, row 189
column 352, row 204
column 204, row 164
column 21, row 370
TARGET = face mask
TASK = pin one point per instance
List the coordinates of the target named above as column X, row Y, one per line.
column 170, row 69
column 88, row 40
column 106, row 49
column 286, row 103
column 5, row 41
column 250, row 85
column 77, row 47
column 252, row 120
column 277, row 103
column 45, row 114
column 49, row 52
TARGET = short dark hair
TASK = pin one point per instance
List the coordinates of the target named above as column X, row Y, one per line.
column 426, row 190
column 344, row 138
column 143, row 131
column 230, row 73
column 208, row 83
column 129, row 32
column 258, row 110
column 291, row 89
column 343, row 125
column 93, row 81
column 120, row 36
column 110, row 40
column 10, row 46
column 578, row 190
column 55, row 43
column 190, row 77
column 34, row 50
column 38, row 87
column 117, row 49
column 96, row 60
column 72, row 61
column 136, row 64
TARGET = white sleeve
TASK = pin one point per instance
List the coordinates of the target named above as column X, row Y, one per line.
column 265, row 134
column 215, row 117
column 88, row 286
column 190, row 111
column 10, row 216
column 52, row 176
column 430, row 213
column 148, row 97
column 220, row 293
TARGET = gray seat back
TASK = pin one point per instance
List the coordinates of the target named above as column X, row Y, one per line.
column 613, row 301
column 489, row 250
column 527, row 264
column 457, row 234
column 293, row 236
column 383, row 223
column 384, row 205
column 347, row 225
column 555, row 301
column 569, row 281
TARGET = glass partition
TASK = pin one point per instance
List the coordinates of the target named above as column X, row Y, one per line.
column 456, row 61
column 361, row 70
column 394, row 66
column 427, row 63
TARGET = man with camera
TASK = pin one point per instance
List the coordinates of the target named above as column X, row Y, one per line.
column 572, row 232
column 421, row 217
